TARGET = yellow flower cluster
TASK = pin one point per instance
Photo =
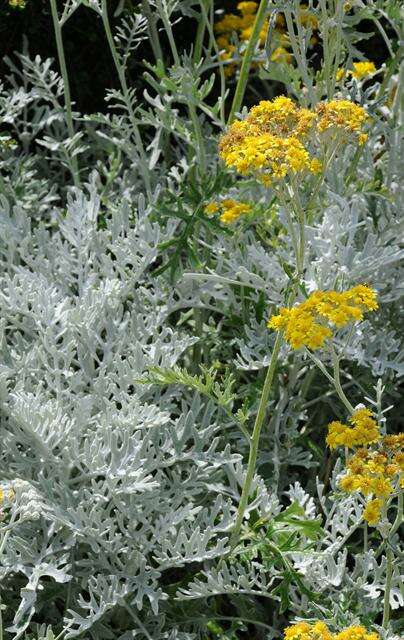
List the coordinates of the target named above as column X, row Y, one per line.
column 360, row 70
column 376, row 471
column 241, row 25
column 271, row 142
column 320, row 631
column 365, row 430
column 230, row 210
column 17, row 4
column 342, row 118
column 356, row 632
column 308, row 324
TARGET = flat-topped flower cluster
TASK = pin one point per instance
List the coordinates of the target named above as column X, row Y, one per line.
column 235, row 28
column 375, row 471
column 278, row 137
column 320, row 631
column 311, row 322
column 229, row 210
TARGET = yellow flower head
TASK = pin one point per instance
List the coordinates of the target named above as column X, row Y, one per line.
column 372, row 511
column 269, row 141
column 230, row 210
column 356, row 633
column 298, row 631
column 247, row 8
column 311, row 322
column 211, row 208
column 320, row 631
column 306, row 631
column 362, row 69
column 17, row 4
column 365, row 430
column 341, row 118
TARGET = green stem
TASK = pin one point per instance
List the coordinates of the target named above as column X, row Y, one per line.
column 334, row 379
column 299, row 57
column 247, row 59
column 337, row 48
column 199, row 137
column 293, row 236
column 169, row 32
column 200, row 33
column 221, row 66
column 198, row 329
column 153, row 32
column 254, row 442
column 389, row 576
column 337, row 383
column 143, row 164
column 66, row 87
column 399, row 517
column 320, row 365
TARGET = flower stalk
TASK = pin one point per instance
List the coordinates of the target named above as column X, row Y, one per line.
column 247, row 60
column 254, row 441
column 66, row 88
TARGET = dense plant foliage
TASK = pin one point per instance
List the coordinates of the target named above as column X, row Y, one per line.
column 200, row 327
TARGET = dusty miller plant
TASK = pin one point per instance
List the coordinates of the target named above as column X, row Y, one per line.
column 134, row 348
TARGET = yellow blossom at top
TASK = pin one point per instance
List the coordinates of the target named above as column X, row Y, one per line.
column 341, row 118
column 311, row 322
column 269, row 141
column 362, row 69
column 17, row 4
column 365, row 430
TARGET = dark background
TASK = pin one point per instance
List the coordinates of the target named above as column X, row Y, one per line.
column 89, row 62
